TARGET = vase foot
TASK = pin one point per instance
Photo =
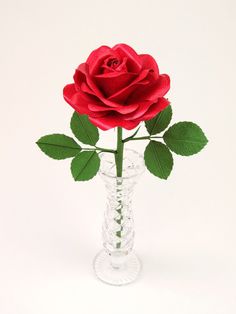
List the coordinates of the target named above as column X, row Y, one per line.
column 117, row 276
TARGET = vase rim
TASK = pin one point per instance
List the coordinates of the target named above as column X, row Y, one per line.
column 139, row 168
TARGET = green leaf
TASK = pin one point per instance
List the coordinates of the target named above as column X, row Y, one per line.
column 160, row 122
column 158, row 159
column 85, row 165
column 58, row 146
column 185, row 138
column 83, row 129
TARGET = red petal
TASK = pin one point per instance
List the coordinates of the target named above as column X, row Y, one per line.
column 112, row 82
column 81, row 82
column 153, row 91
column 122, row 95
column 79, row 101
column 121, row 109
column 83, row 68
column 113, row 120
column 97, row 57
column 86, row 89
column 91, row 84
column 155, row 109
column 133, row 62
column 68, row 92
column 141, row 110
column 148, row 62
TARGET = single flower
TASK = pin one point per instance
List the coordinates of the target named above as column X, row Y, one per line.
column 116, row 87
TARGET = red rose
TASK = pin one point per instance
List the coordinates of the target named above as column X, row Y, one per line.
column 118, row 87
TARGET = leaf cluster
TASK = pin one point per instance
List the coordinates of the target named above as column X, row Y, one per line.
column 86, row 162
column 182, row 138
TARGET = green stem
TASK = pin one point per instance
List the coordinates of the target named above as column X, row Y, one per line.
column 119, row 153
column 149, row 137
column 101, row 149
column 106, row 150
column 119, row 168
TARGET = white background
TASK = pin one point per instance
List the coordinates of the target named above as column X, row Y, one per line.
column 50, row 225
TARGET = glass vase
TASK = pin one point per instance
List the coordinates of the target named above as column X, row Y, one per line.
column 117, row 264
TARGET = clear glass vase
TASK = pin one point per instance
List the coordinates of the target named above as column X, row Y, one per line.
column 117, row 264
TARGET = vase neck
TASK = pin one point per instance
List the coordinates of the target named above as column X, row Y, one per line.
column 133, row 166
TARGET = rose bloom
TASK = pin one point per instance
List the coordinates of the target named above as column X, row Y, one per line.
column 118, row 87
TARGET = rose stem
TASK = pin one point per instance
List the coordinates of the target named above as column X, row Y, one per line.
column 106, row 150
column 119, row 153
column 101, row 149
column 119, row 168
column 140, row 138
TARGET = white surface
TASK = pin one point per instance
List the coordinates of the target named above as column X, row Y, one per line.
column 50, row 226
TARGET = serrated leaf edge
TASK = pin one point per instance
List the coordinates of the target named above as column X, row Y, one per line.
column 172, row 165
column 180, row 139
column 82, row 123
column 151, row 133
column 79, row 148
column 84, row 166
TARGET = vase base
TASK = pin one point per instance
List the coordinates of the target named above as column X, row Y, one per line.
column 124, row 275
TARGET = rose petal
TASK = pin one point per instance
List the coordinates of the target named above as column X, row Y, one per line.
column 112, row 82
column 113, row 120
column 148, row 62
column 133, row 62
column 120, row 66
column 112, row 101
column 154, row 91
column 68, row 92
column 85, row 88
column 140, row 111
column 160, row 105
column 122, row 109
column 91, row 84
column 81, row 83
column 83, row 68
column 79, row 101
column 97, row 57
column 123, row 94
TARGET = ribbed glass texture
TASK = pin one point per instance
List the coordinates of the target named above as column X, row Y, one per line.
column 117, row 264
